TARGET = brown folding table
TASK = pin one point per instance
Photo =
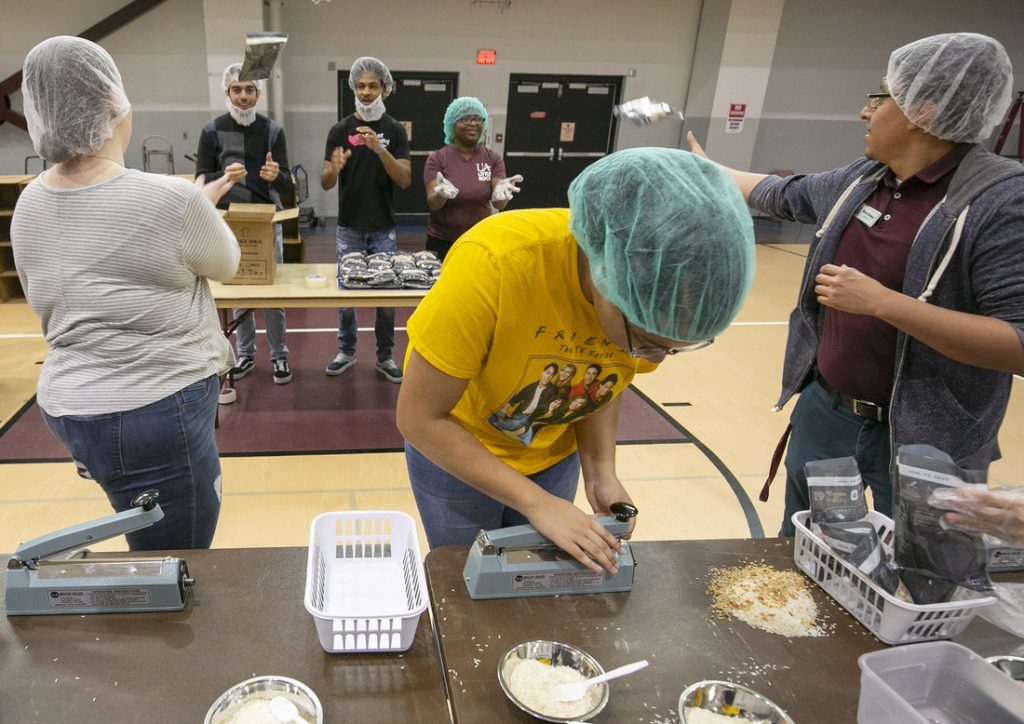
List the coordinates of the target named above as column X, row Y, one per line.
column 667, row 620
column 246, row 618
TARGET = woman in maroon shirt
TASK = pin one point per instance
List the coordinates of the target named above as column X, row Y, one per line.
column 463, row 179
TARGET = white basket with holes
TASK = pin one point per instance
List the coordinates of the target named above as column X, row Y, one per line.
column 365, row 585
column 888, row 618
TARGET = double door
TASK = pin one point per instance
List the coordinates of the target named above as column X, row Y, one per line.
column 556, row 127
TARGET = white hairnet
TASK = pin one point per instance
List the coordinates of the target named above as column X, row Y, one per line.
column 368, row 64
column 231, row 75
column 74, row 97
column 669, row 239
column 955, row 86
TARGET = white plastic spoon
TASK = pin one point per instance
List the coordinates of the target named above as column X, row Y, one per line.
column 573, row 692
column 284, row 710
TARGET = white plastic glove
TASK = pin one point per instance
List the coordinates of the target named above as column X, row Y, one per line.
column 999, row 512
column 506, row 187
column 444, row 187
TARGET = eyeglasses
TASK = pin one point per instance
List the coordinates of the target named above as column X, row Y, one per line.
column 875, row 99
column 657, row 352
column 471, row 121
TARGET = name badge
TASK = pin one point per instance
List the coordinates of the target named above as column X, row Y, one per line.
column 867, row 215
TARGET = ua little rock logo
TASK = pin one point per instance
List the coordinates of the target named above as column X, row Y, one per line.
column 483, row 172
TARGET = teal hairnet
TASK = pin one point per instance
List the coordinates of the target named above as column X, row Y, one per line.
column 669, row 239
column 460, row 108
column 956, row 86
column 369, row 64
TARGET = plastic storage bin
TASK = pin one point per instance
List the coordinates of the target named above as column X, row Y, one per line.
column 365, row 585
column 938, row 682
column 888, row 618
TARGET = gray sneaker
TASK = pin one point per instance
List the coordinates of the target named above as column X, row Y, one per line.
column 340, row 363
column 391, row 371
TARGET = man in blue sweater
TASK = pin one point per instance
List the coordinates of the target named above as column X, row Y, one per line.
column 910, row 319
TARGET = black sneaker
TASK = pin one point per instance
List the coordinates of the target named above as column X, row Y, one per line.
column 242, row 367
column 391, row 371
column 339, row 364
column 282, row 375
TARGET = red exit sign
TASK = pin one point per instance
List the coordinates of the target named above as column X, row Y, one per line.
column 486, row 56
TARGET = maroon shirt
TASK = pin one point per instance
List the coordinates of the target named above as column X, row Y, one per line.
column 857, row 354
column 473, row 180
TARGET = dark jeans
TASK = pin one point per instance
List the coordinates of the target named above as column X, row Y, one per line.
column 167, row 445
column 439, row 246
column 453, row 512
column 348, row 239
column 825, row 429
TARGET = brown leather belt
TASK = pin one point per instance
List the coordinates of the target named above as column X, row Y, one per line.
column 861, row 408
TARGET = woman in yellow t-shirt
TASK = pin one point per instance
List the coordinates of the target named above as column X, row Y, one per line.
column 654, row 256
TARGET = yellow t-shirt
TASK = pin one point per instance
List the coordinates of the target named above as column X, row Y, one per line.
column 508, row 314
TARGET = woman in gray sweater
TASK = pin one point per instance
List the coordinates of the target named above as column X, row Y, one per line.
column 114, row 262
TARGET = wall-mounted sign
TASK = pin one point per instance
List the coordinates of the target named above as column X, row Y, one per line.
column 486, row 56
column 734, row 122
column 537, row 115
column 568, row 133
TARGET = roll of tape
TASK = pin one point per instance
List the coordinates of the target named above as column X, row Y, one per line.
column 315, row 281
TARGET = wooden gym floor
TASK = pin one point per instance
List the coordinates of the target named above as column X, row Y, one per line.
column 708, row 489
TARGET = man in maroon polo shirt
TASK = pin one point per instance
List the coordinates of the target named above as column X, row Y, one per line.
column 910, row 318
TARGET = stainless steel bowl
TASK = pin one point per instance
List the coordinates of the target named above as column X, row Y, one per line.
column 1012, row 666
column 552, row 653
column 266, row 688
column 728, row 699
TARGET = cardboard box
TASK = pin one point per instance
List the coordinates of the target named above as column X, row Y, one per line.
column 253, row 226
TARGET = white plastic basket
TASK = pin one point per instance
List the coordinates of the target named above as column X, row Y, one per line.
column 888, row 618
column 365, row 585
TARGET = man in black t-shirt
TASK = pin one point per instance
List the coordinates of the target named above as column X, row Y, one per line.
column 251, row 148
column 369, row 151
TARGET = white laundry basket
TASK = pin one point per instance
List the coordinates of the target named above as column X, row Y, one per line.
column 365, row 585
column 888, row 618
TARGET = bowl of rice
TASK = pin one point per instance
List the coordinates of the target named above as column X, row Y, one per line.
column 723, row 702
column 248, row 702
column 530, row 671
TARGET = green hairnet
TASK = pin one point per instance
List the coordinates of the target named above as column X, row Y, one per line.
column 669, row 239
column 460, row 108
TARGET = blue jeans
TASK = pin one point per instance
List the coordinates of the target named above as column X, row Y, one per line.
column 453, row 512
column 167, row 445
column 245, row 339
column 371, row 242
column 824, row 429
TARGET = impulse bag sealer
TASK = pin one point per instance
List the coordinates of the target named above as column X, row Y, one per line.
column 40, row 580
column 519, row 561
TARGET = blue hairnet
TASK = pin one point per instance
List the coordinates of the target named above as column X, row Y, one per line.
column 955, row 86
column 73, row 97
column 669, row 239
column 231, row 74
column 460, row 108
column 368, row 64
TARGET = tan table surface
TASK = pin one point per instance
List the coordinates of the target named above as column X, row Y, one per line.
column 665, row 619
column 246, row 618
column 289, row 290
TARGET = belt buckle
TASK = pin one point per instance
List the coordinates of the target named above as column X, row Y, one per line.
column 868, row 410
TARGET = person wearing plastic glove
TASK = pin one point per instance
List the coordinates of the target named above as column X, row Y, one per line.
column 654, row 256
column 910, row 317
column 998, row 512
column 367, row 155
column 252, row 150
column 463, row 179
column 115, row 263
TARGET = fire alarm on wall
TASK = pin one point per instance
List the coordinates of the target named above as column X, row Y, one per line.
column 486, row 56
